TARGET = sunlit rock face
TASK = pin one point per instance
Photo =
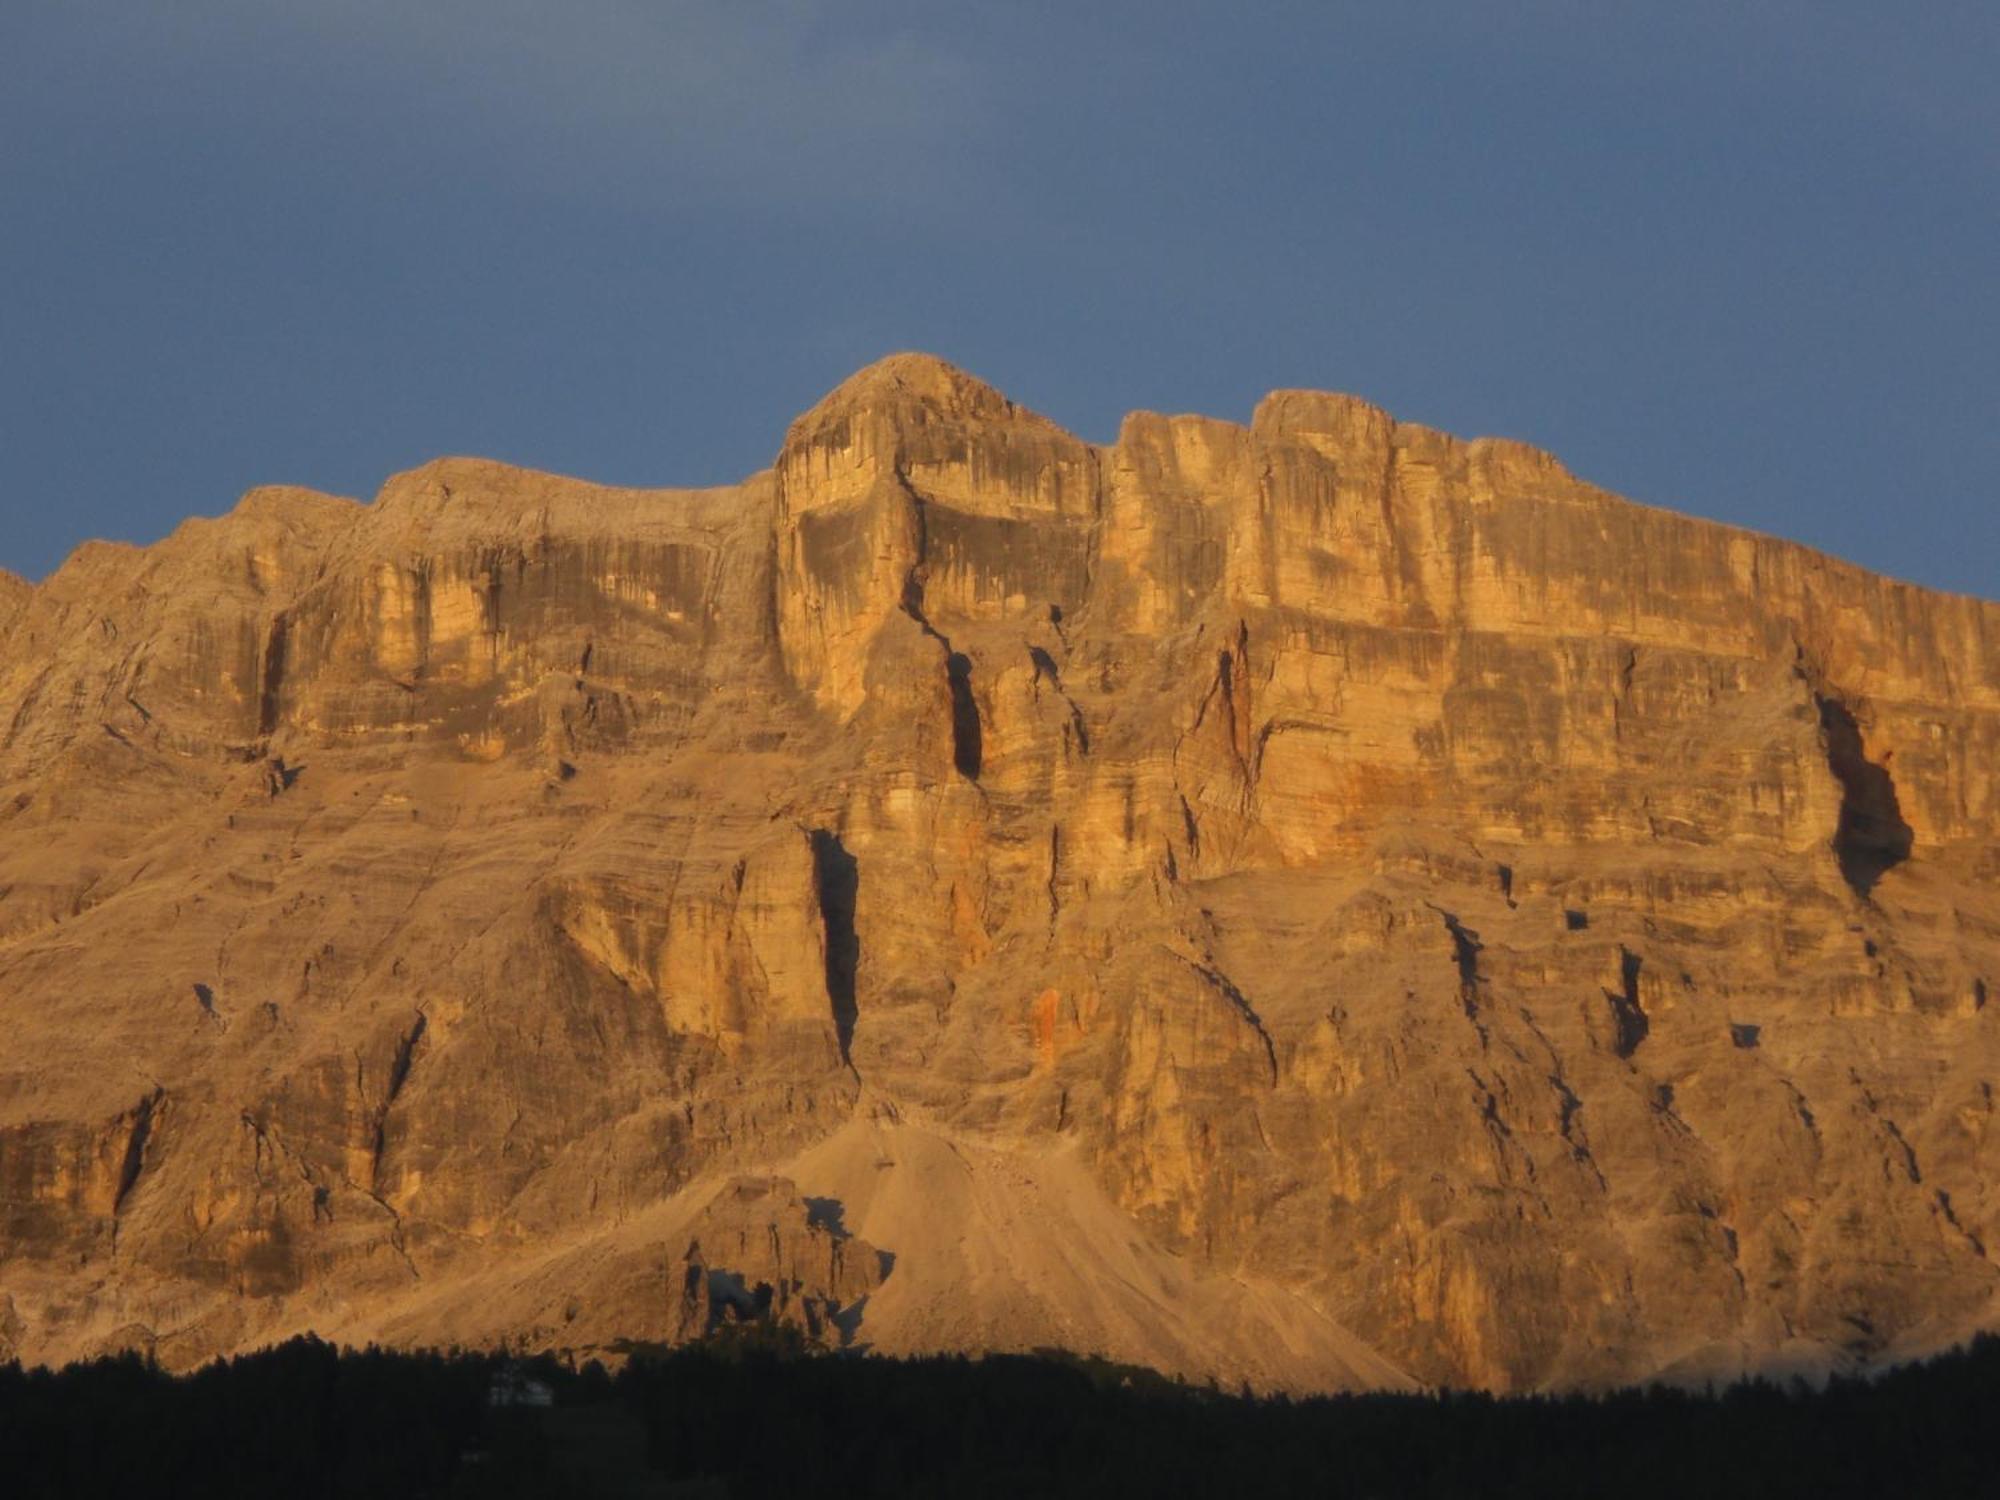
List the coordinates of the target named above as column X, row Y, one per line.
column 1318, row 903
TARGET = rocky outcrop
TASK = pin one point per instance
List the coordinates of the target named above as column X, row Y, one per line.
column 1392, row 910
column 759, row 1254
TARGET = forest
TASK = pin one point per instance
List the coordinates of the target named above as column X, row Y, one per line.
column 763, row 1416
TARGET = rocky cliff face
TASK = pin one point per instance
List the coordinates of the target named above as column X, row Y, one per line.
column 1319, row 903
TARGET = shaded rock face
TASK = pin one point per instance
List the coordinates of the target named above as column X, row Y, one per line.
column 760, row 1254
column 1546, row 938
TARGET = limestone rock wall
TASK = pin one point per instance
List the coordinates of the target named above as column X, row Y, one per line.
column 1549, row 939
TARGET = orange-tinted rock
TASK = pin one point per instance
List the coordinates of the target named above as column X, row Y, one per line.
column 1317, row 902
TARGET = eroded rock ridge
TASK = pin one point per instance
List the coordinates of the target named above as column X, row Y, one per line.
column 1320, row 903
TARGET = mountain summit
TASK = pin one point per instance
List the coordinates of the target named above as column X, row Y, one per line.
column 1319, row 904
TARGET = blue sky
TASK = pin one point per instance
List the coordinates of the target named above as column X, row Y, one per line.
column 1738, row 259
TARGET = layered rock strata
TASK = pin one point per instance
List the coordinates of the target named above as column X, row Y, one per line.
column 1317, row 903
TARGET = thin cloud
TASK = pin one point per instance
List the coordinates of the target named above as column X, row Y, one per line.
column 785, row 101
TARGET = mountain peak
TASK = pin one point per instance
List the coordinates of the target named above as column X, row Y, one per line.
column 912, row 412
column 915, row 376
column 907, row 391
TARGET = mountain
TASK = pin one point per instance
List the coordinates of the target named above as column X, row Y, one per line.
column 1312, row 904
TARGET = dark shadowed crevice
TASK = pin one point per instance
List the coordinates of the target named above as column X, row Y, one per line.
column 399, row 1075
column 135, row 1149
column 1077, row 732
column 269, row 697
column 406, row 1049
column 1465, row 946
column 1226, row 987
column 828, row 1214
column 965, row 730
column 422, row 622
column 847, row 1320
column 1943, row 1201
column 965, row 733
column 490, row 596
column 838, row 878
column 1871, row 837
column 1628, row 1015
column 1465, row 949
column 732, row 1298
column 1054, row 883
column 1225, row 687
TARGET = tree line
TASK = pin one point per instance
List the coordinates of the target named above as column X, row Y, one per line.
column 758, row 1414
